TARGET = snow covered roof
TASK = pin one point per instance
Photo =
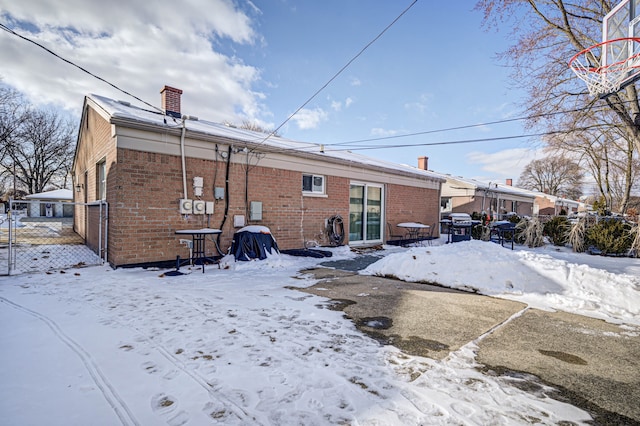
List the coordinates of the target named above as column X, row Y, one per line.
column 489, row 186
column 57, row 194
column 125, row 112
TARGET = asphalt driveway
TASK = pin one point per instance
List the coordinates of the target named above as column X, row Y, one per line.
column 593, row 364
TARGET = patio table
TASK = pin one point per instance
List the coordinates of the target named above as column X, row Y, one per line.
column 413, row 229
column 198, row 237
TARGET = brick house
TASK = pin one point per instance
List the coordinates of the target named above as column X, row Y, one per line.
column 161, row 172
column 463, row 195
column 551, row 205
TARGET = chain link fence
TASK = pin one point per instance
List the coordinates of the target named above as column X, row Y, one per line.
column 37, row 236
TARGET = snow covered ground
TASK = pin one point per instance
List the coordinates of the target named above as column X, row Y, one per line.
column 239, row 346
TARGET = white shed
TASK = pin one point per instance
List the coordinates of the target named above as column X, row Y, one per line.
column 56, row 203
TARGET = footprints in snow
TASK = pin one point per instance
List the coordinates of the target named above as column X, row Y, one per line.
column 167, row 406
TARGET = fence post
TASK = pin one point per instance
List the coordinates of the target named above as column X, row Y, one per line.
column 10, row 254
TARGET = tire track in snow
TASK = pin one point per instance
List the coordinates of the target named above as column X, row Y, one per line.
column 113, row 399
column 239, row 412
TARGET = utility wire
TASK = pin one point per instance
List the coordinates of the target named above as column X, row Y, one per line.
column 499, row 138
column 314, row 148
column 10, row 31
column 338, row 73
column 466, row 126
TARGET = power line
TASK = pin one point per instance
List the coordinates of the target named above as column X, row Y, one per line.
column 339, row 72
column 313, row 147
column 466, row 126
column 457, row 142
column 10, row 31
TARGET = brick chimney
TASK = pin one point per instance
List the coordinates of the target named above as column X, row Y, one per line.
column 509, row 182
column 423, row 163
column 171, row 101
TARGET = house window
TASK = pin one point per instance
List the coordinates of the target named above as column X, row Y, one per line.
column 313, row 184
column 101, row 184
column 445, row 205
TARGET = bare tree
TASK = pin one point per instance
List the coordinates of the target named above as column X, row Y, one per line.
column 250, row 125
column 554, row 175
column 548, row 33
column 38, row 153
column 13, row 111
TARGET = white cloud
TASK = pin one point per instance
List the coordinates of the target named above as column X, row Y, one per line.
column 507, row 164
column 419, row 106
column 139, row 47
column 310, row 118
column 355, row 81
column 415, row 107
column 382, row 133
column 337, row 105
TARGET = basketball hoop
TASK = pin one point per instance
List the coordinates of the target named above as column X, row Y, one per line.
column 604, row 67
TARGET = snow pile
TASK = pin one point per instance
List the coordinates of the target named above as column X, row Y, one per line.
column 531, row 276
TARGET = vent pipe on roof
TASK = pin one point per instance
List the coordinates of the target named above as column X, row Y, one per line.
column 423, row 163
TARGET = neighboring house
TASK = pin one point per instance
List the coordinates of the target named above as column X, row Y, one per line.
column 550, row 205
column 56, row 203
column 162, row 172
column 462, row 195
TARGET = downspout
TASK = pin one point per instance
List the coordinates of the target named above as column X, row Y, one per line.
column 184, row 169
column 100, row 232
column 106, row 233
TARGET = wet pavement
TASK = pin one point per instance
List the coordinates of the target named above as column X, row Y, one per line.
column 595, row 365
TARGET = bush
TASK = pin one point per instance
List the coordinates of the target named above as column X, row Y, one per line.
column 480, row 232
column 482, row 217
column 610, row 237
column 530, row 232
column 577, row 236
column 557, row 229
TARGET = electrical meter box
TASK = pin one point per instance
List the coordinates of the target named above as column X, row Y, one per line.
column 255, row 210
column 186, row 206
column 208, row 209
column 218, row 193
column 198, row 207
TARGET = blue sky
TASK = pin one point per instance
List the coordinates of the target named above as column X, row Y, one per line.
column 435, row 68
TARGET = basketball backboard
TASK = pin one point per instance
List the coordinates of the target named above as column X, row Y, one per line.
column 614, row 63
column 622, row 22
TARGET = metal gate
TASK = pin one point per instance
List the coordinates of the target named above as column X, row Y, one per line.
column 37, row 236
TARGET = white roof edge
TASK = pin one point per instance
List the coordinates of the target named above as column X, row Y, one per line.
column 123, row 112
column 56, row 194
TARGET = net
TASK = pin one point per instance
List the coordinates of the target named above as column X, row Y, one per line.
column 623, row 63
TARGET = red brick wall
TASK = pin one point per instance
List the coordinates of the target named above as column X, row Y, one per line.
column 95, row 144
column 410, row 204
column 144, row 189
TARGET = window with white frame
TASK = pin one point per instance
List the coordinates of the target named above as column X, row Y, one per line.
column 313, row 184
column 101, row 177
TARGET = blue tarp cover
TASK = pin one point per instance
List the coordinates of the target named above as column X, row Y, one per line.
column 253, row 242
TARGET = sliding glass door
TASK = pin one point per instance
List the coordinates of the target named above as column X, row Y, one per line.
column 365, row 213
